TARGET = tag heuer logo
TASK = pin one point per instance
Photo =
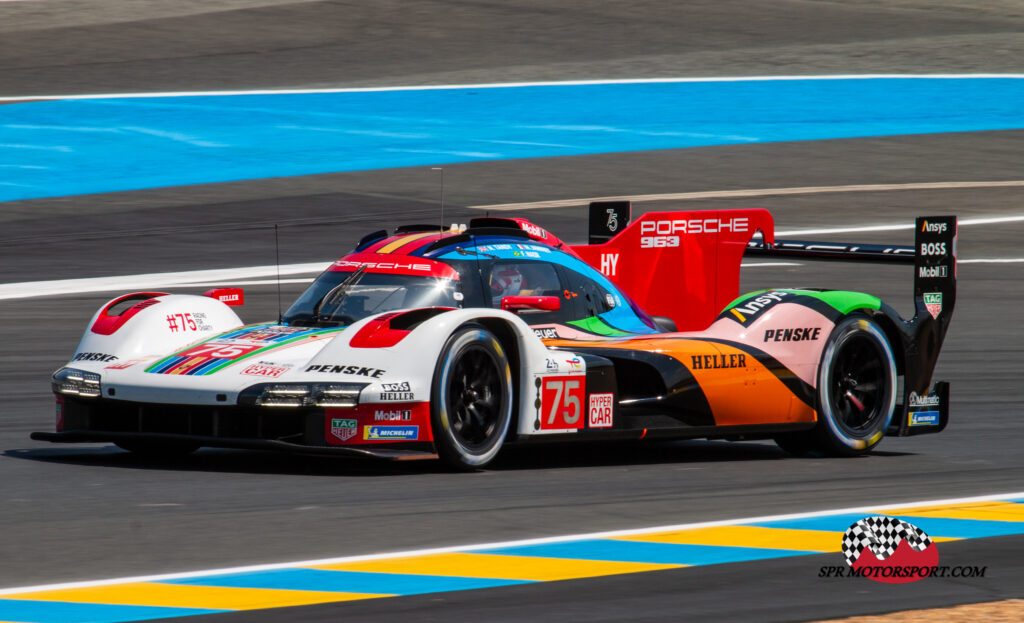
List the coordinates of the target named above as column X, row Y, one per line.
column 933, row 302
column 344, row 429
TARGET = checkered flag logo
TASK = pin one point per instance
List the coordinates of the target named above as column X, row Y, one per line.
column 882, row 535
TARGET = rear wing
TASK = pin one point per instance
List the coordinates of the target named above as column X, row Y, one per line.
column 682, row 265
column 686, row 265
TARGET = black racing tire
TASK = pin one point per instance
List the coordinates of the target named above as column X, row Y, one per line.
column 856, row 392
column 471, row 398
column 159, row 450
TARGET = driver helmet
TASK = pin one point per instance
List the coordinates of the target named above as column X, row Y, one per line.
column 506, row 281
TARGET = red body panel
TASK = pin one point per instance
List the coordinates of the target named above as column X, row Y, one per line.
column 684, row 265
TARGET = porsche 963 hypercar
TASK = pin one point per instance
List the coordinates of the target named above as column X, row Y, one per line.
column 423, row 342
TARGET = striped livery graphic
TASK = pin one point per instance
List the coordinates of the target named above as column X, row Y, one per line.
column 493, row 565
column 217, row 353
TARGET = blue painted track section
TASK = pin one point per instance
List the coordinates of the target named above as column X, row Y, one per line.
column 72, row 147
column 348, row 581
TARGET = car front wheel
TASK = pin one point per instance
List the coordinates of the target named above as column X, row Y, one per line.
column 471, row 400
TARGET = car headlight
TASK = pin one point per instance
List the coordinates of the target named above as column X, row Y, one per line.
column 74, row 382
column 294, row 395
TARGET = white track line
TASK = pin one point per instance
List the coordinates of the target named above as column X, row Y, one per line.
column 752, row 192
column 150, row 281
column 507, row 85
column 504, row 544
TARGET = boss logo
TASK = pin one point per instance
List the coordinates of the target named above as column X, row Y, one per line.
column 933, row 248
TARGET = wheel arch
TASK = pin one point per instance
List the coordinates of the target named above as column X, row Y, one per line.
column 892, row 333
column 508, row 338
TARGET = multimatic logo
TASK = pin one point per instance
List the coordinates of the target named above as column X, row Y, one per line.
column 714, row 362
column 803, row 334
column 928, row 400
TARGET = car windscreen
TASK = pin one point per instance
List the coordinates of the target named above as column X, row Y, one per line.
column 340, row 298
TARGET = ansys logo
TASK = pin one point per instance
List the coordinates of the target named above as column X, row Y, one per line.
column 889, row 550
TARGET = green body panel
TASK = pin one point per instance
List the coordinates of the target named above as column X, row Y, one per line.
column 841, row 300
column 598, row 326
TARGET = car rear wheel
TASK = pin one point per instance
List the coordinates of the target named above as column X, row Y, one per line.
column 471, row 400
column 856, row 392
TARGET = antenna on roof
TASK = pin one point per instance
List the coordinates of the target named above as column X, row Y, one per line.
column 277, row 262
column 441, row 169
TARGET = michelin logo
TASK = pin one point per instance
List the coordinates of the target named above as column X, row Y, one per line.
column 924, row 418
column 391, row 433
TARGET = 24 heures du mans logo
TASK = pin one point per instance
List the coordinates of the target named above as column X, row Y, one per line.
column 892, row 551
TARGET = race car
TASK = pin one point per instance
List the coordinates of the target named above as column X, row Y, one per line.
column 426, row 343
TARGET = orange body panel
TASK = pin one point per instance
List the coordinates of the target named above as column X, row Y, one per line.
column 739, row 388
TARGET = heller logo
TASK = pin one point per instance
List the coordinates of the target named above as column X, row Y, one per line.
column 714, row 362
column 933, row 303
column 889, row 550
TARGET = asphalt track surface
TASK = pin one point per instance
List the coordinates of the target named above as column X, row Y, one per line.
column 90, row 512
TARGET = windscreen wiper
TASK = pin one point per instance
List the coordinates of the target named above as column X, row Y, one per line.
column 334, row 295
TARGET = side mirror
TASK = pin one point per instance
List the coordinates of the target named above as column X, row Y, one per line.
column 229, row 296
column 530, row 303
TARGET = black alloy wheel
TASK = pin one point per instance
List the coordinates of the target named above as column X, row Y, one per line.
column 471, row 402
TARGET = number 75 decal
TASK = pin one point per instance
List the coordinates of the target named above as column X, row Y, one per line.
column 562, row 402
